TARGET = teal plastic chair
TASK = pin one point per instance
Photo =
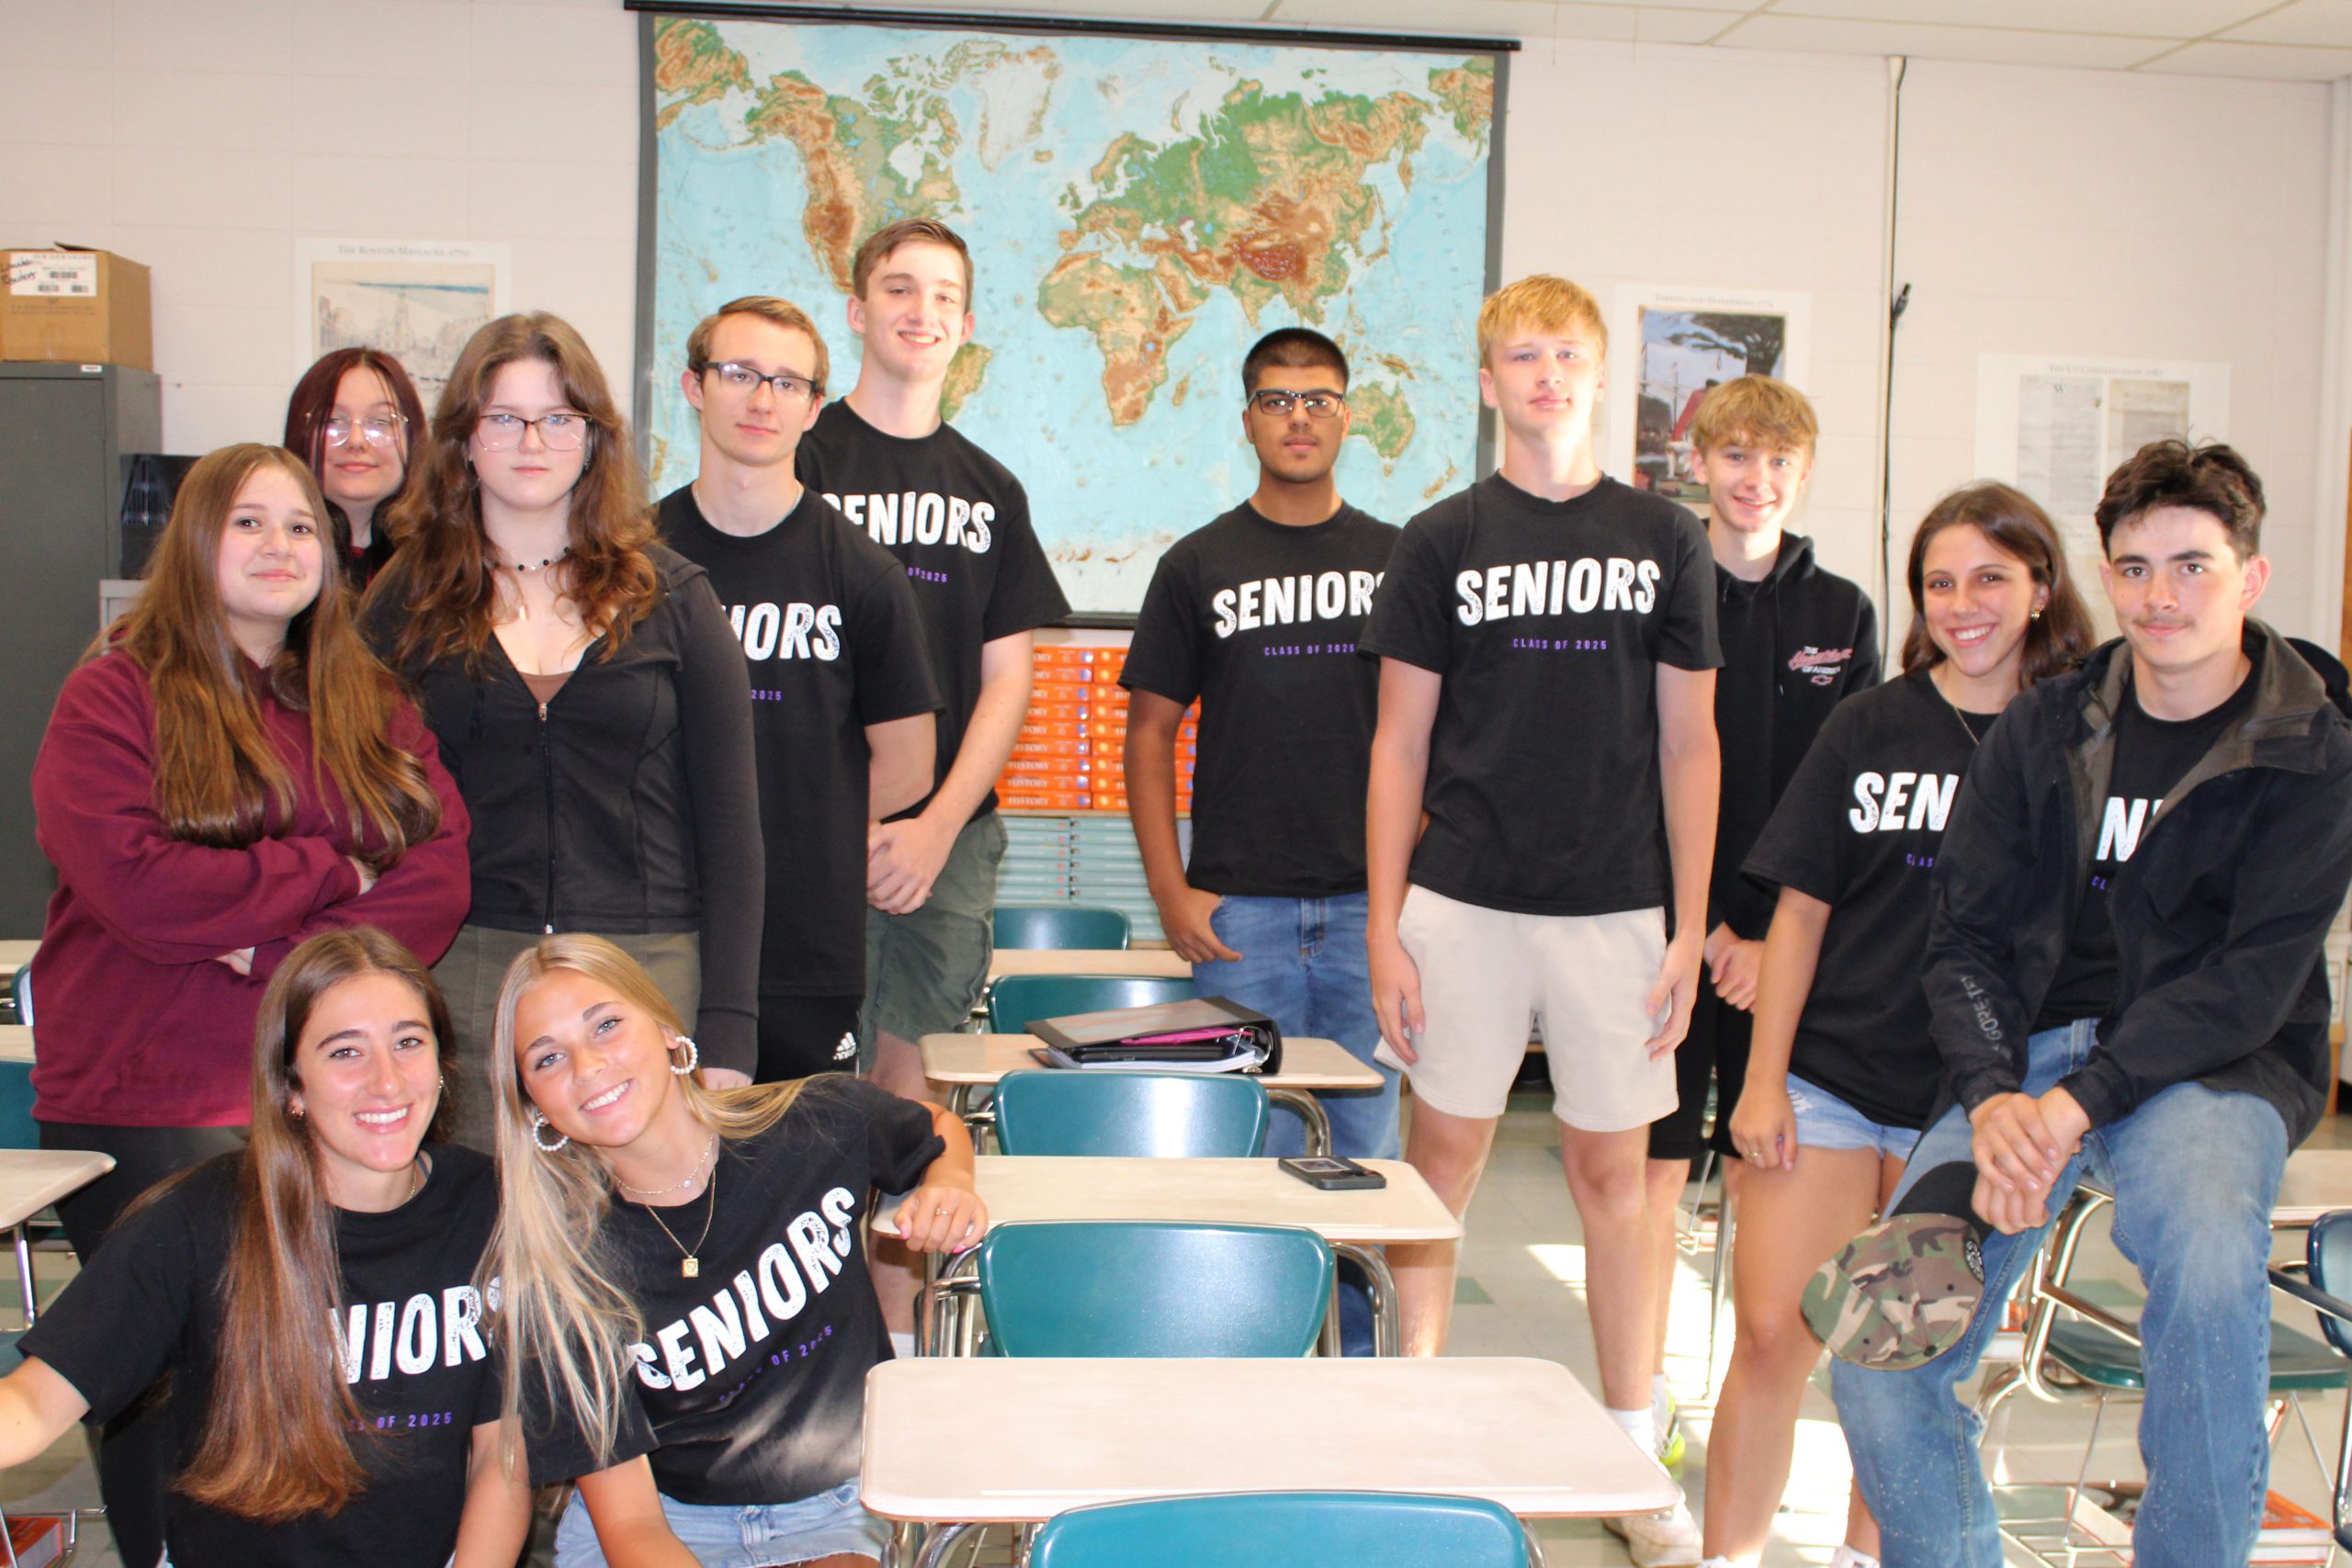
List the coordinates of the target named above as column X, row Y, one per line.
column 1285, row 1529
column 1062, row 926
column 1130, row 1115
column 1151, row 1287
column 1017, row 1000
column 2326, row 1285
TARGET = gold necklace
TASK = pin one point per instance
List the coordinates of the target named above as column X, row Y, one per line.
column 709, row 1156
column 1959, row 715
column 692, row 1267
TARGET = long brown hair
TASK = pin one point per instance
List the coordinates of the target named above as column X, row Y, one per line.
column 441, row 582
column 561, row 1312
column 219, row 778
column 2055, row 642
column 278, row 1437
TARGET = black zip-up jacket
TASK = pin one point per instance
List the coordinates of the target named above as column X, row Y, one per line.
column 2219, row 915
column 628, row 804
column 1797, row 643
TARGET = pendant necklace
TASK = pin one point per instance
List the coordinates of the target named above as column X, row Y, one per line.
column 1974, row 739
column 692, row 1267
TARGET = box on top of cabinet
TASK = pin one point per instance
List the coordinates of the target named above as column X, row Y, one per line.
column 70, row 304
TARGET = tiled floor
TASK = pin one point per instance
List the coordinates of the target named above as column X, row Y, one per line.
column 1522, row 1292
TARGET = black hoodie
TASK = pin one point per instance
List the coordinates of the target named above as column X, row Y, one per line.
column 2219, row 915
column 1795, row 645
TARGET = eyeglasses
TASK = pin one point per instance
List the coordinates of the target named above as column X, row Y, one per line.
column 743, row 378
column 503, row 432
column 1319, row 405
column 377, row 429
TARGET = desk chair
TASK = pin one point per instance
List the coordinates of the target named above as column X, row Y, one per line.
column 1131, row 1114
column 1061, row 925
column 1015, row 1001
column 1285, row 1530
column 2325, row 1284
column 2096, row 1350
column 1153, row 1288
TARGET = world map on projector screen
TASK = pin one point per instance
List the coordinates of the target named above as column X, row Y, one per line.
column 1140, row 212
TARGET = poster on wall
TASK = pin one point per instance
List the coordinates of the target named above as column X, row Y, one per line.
column 1140, row 209
column 418, row 300
column 2055, row 427
column 1666, row 348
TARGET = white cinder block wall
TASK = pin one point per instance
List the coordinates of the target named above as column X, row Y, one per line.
column 2043, row 210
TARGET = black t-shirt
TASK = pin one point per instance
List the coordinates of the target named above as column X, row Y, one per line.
column 958, row 521
column 1859, row 828
column 752, row 1377
column 1260, row 620
column 1548, row 621
column 2150, row 756
column 833, row 642
column 408, row 1332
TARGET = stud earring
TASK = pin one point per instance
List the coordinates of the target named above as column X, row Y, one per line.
column 538, row 1122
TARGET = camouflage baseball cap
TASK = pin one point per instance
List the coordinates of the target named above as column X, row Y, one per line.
column 1902, row 1292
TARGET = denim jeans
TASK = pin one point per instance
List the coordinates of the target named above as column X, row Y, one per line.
column 1303, row 964
column 2194, row 1173
column 748, row 1535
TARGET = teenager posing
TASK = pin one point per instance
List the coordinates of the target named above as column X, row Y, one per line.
column 355, row 418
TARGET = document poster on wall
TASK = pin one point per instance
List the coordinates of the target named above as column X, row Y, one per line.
column 2055, row 427
column 418, row 300
column 1666, row 348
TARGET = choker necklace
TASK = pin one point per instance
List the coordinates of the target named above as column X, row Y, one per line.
column 710, row 1155
column 520, row 567
column 692, row 1266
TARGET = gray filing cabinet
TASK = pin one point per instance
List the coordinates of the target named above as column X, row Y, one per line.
column 65, row 432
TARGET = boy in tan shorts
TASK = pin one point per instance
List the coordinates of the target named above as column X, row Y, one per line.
column 1547, row 646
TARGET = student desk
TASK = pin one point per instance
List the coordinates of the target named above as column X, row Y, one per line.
column 1218, row 1192
column 1062, row 1434
column 966, row 1062
column 31, row 1180
column 1159, row 961
column 15, row 1043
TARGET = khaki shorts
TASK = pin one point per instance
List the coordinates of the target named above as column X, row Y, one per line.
column 925, row 971
column 1488, row 973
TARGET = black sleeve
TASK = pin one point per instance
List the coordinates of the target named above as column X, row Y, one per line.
column 119, row 1325
column 1976, row 1014
column 899, row 1142
column 1686, row 637
column 1803, row 844
column 1025, row 596
column 1864, row 670
column 558, row 1444
column 2289, row 885
column 1411, row 611
column 887, row 649
column 715, row 719
column 1164, row 659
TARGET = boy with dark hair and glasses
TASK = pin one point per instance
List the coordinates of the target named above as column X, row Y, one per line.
column 843, row 699
column 1257, row 615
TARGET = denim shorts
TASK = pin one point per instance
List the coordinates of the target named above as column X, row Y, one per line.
column 744, row 1535
column 1825, row 1121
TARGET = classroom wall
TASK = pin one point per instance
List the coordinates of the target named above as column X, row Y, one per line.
column 2042, row 210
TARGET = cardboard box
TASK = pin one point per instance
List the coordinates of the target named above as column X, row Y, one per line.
column 72, row 305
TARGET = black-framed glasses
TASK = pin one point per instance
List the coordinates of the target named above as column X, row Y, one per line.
column 1318, row 405
column 739, row 378
column 377, row 429
column 563, row 431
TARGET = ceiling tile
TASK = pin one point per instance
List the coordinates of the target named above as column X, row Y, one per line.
column 2140, row 19
column 1657, row 25
column 2268, row 62
column 2305, row 21
column 1494, row 18
column 1990, row 45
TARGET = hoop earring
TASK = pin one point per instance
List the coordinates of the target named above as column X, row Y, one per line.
column 539, row 1121
column 694, row 1056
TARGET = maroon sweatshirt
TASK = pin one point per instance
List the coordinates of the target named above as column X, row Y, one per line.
column 136, row 1023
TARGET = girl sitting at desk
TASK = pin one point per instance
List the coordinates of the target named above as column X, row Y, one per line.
column 683, row 1268
column 334, row 1398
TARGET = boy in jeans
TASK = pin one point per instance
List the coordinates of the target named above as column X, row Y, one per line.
column 1547, row 646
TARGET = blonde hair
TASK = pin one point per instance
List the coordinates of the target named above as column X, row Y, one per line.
column 560, row 1310
column 1544, row 303
column 767, row 307
column 1755, row 411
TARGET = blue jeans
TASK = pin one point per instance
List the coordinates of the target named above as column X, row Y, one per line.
column 2194, row 1173
column 743, row 1534
column 1303, row 964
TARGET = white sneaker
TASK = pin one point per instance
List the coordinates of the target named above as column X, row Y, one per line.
column 1669, row 1538
column 1847, row 1557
